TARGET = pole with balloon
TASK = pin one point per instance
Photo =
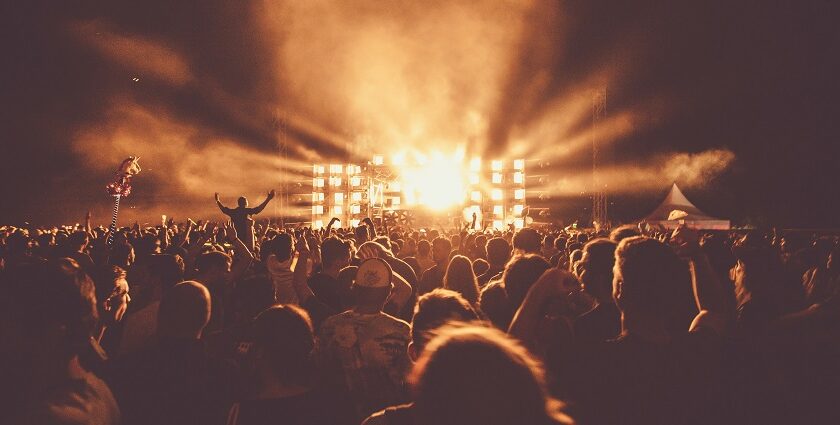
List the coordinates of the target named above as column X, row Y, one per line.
column 119, row 188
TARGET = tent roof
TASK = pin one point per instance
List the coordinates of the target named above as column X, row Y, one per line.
column 677, row 201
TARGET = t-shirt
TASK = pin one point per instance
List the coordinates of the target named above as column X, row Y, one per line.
column 172, row 382
column 631, row 381
column 85, row 400
column 310, row 408
column 371, row 352
column 494, row 273
column 599, row 324
column 329, row 290
column 139, row 329
column 282, row 276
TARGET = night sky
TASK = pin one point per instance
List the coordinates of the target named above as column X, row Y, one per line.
column 754, row 78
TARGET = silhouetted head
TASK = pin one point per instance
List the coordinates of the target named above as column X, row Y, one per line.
column 242, row 201
column 644, row 277
column 451, row 383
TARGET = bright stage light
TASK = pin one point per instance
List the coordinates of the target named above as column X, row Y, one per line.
column 518, row 177
column 337, row 210
column 497, row 178
column 356, row 196
column 317, row 196
column 519, row 164
column 496, row 194
column 318, row 169
column 378, row 160
column 437, row 183
column 498, row 224
column 318, row 182
column 318, row 224
column 474, row 179
column 519, row 194
column 475, row 196
column 354, row 223
column 339, row 198
column 317, row 209
column 336, row 169
column 475, row 165
column 496, row 165
column 355, row 181
column 518, row 223
column 498, row 210
column 355, row 209
column 517, row 209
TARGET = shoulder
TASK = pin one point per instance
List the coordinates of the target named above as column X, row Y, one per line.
column 377, row 418
column 394, row 415
column 395, row 322
column 336, row 319
column 494, row 288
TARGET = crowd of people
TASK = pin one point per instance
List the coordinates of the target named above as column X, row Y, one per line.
column 245, row 322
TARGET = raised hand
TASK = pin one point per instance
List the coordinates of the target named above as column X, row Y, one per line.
column 217, row 196
column 301, row 246
column 230, row 232
column 685, row 241
column 556, row 282
column 271, row 193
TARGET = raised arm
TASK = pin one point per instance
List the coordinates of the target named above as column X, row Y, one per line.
column 301, row 273
column 242, row 257
column 195, row 249
column 401, row 292
column 326, row 231
column 552, row 284
column 371, row 228
column 712, row 298
column 258, row 209
column 223, row 208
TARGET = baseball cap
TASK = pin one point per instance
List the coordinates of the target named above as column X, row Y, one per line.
column 373, row 273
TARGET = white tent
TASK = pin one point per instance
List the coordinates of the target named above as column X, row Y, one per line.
column 676, row 209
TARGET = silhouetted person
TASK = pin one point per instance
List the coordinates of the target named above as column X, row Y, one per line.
column 285, row 389
column 241, row 217
column 604, row 321
column 173, row 381
column 47, row 315
column 367, row 347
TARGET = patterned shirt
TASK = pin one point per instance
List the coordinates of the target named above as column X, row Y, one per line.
column 371, row 350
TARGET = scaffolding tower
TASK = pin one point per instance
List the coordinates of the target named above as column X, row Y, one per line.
column 600, row 219
column 281, row 207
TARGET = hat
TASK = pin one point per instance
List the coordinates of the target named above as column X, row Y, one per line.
column 373, row 273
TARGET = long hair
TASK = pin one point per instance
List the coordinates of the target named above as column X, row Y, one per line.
column 460, row 278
